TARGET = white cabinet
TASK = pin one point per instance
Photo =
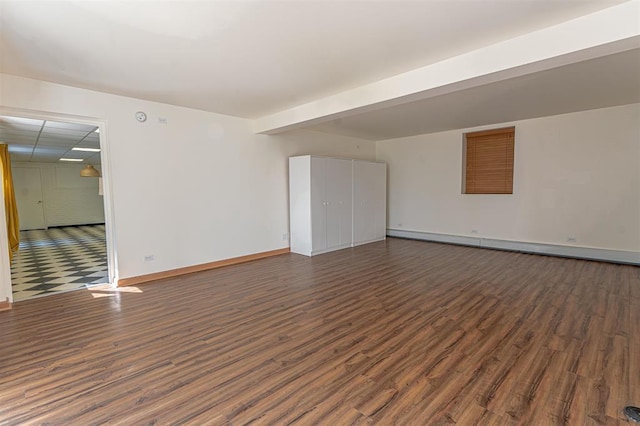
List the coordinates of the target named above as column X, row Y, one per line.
column 338, row 202
column 322, row 208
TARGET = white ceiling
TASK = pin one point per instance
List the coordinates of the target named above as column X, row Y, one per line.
column 255, row 58
column 47, row 141
column 598, row 83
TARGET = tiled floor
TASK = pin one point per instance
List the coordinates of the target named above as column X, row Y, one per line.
column 59, row 259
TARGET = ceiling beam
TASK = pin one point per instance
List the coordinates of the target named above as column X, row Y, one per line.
column 606, row 32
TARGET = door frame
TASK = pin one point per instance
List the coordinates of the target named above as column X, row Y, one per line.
column 105, row 157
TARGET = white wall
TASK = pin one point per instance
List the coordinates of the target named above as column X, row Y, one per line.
column 68, row 198
column 200, row 188
column 576, row 175
column 5, row 273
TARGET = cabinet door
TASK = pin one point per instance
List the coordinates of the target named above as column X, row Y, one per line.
column 300, row 204
column 369, row 201
column 339, row 202
column 318, row 204
column 379, row 201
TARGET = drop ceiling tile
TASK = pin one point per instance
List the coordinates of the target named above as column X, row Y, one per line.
column 21, row 121
column 62, row 136
column 53, row 142
column 89, row 144
column 70, row 126
column 19, row 129
column 50, row 157
column 21, row 147
column 78, row 154
column 62, row 140
column 45, row 158
column 72, row 154
column 51, row 149
column 18, row 133
column 17, row 140
column 68, row 143
column 54, row 131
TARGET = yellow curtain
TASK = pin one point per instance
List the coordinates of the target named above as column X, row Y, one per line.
column 11, row 208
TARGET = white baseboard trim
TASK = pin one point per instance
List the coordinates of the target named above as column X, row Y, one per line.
column 616, row 256
column 327, row 250
column 360, row 243
column 340, row 247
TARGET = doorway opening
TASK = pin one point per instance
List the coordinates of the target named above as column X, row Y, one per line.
column 65, row 233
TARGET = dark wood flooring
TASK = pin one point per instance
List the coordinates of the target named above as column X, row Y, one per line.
column 398, row 332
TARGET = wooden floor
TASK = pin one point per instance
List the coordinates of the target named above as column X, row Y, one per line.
column 399, row 332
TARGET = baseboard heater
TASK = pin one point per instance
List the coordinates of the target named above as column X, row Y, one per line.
column 605, row 255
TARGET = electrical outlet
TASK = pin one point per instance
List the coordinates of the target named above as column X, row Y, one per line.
column 474, row 231
column 285, row 236
column 149, row 258
column 572, row 239
column 400, row 225
column 162, row 120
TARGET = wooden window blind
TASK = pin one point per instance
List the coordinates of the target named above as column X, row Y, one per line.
column 489, row 161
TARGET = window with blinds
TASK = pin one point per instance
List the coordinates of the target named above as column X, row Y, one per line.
column 488, row 165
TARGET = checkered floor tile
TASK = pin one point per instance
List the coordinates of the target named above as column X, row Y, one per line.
column 59, row 259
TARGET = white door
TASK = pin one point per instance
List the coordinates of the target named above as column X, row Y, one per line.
column 339, row 201
column 27, row 185
column 318, row 204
